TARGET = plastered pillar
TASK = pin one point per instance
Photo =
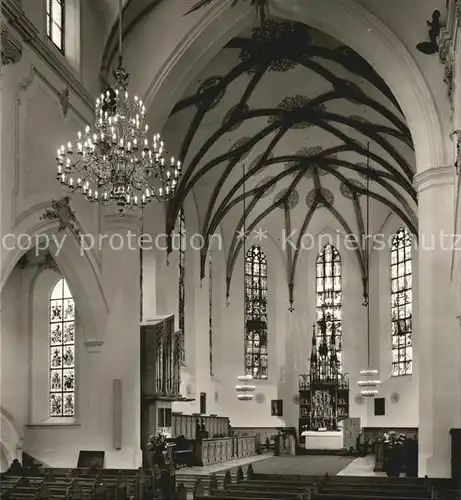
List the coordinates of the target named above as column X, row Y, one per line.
column 120, row 355
column 438, row 328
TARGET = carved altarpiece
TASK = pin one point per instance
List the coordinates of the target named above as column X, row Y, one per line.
column 324, row 391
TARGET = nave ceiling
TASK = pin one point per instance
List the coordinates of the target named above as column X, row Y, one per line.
column 296, row 110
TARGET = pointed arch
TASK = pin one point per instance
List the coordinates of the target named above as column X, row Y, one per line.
column 256, row 346
column 401, row 303
column 329, row 299
column 62, row 351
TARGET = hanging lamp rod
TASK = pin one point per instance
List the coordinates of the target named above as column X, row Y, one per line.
column 367, row 246
column 120, row 33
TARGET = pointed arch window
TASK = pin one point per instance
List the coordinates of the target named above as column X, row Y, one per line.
column 62, row 351
column 210, row 311
column 55, row 22
column 181, row 280
column 329, row 301
column 401, row 303
column 256, row 356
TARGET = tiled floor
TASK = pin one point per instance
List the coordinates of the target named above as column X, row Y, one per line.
column 361, row 466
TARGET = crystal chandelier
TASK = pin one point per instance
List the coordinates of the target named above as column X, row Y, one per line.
column 115, row 161
column 244, row 391
column 370, row 381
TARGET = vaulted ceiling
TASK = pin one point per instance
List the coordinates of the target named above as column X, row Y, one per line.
column 289, row 114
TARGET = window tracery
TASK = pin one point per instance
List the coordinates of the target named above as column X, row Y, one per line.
column 62, row 351
column 256, row 355
column 401, row 303
column 329, row 300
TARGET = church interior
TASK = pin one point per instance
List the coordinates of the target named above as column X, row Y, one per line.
column 229, row 249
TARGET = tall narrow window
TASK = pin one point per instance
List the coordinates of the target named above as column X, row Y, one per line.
column 55, row 22
column 401, row 304
column 329, row 300
column 62, row 351
column 181, row 276
column 256, row 313
column 210, row 310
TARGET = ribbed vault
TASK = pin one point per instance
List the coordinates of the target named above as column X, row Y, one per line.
column 295, row 110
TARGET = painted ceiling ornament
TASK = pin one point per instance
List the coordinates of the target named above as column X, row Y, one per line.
column 214, row 97
column 274, row 42
column 359, row 119
column 262, row 7
column 293, row 198
column 238, row 144
column 234, row 114
column 62, row 212
column 318, row 196
column 268, row 190
column 308, row 153
column 257, row 160
column 347, row 192
column 293, row 103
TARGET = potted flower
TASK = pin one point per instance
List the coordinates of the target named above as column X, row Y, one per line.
column 393, row 451
column 156, row 446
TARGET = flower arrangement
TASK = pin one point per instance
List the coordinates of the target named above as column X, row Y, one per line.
column 393, row 440
column 157, row 443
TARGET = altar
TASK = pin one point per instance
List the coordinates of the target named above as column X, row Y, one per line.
column 324, row 395
column 327, row 440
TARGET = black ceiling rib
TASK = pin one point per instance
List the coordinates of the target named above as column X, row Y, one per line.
column 375, row 132
column 196, row 99
column 234, row 189
column 233, row 256
column 359, row 148
column 289, row 118
column 203, row 108
column 302, row 162
column 378, row 179
column 289, row 252
column 306, row 222
column 335, row 55
column 367, row 131
column 391, row 176
column 184, row 187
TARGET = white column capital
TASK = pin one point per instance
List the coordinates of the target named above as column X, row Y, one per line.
column 113, row 222
column 435, row 176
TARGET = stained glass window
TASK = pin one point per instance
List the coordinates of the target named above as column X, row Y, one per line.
column 256, row 313
column 181, row 276
column 210, row 311
column 55, row 22
column 329, row 301
column 401, row 304
column 62, row 351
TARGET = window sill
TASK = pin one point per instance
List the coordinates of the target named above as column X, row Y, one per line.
column 44, row 425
